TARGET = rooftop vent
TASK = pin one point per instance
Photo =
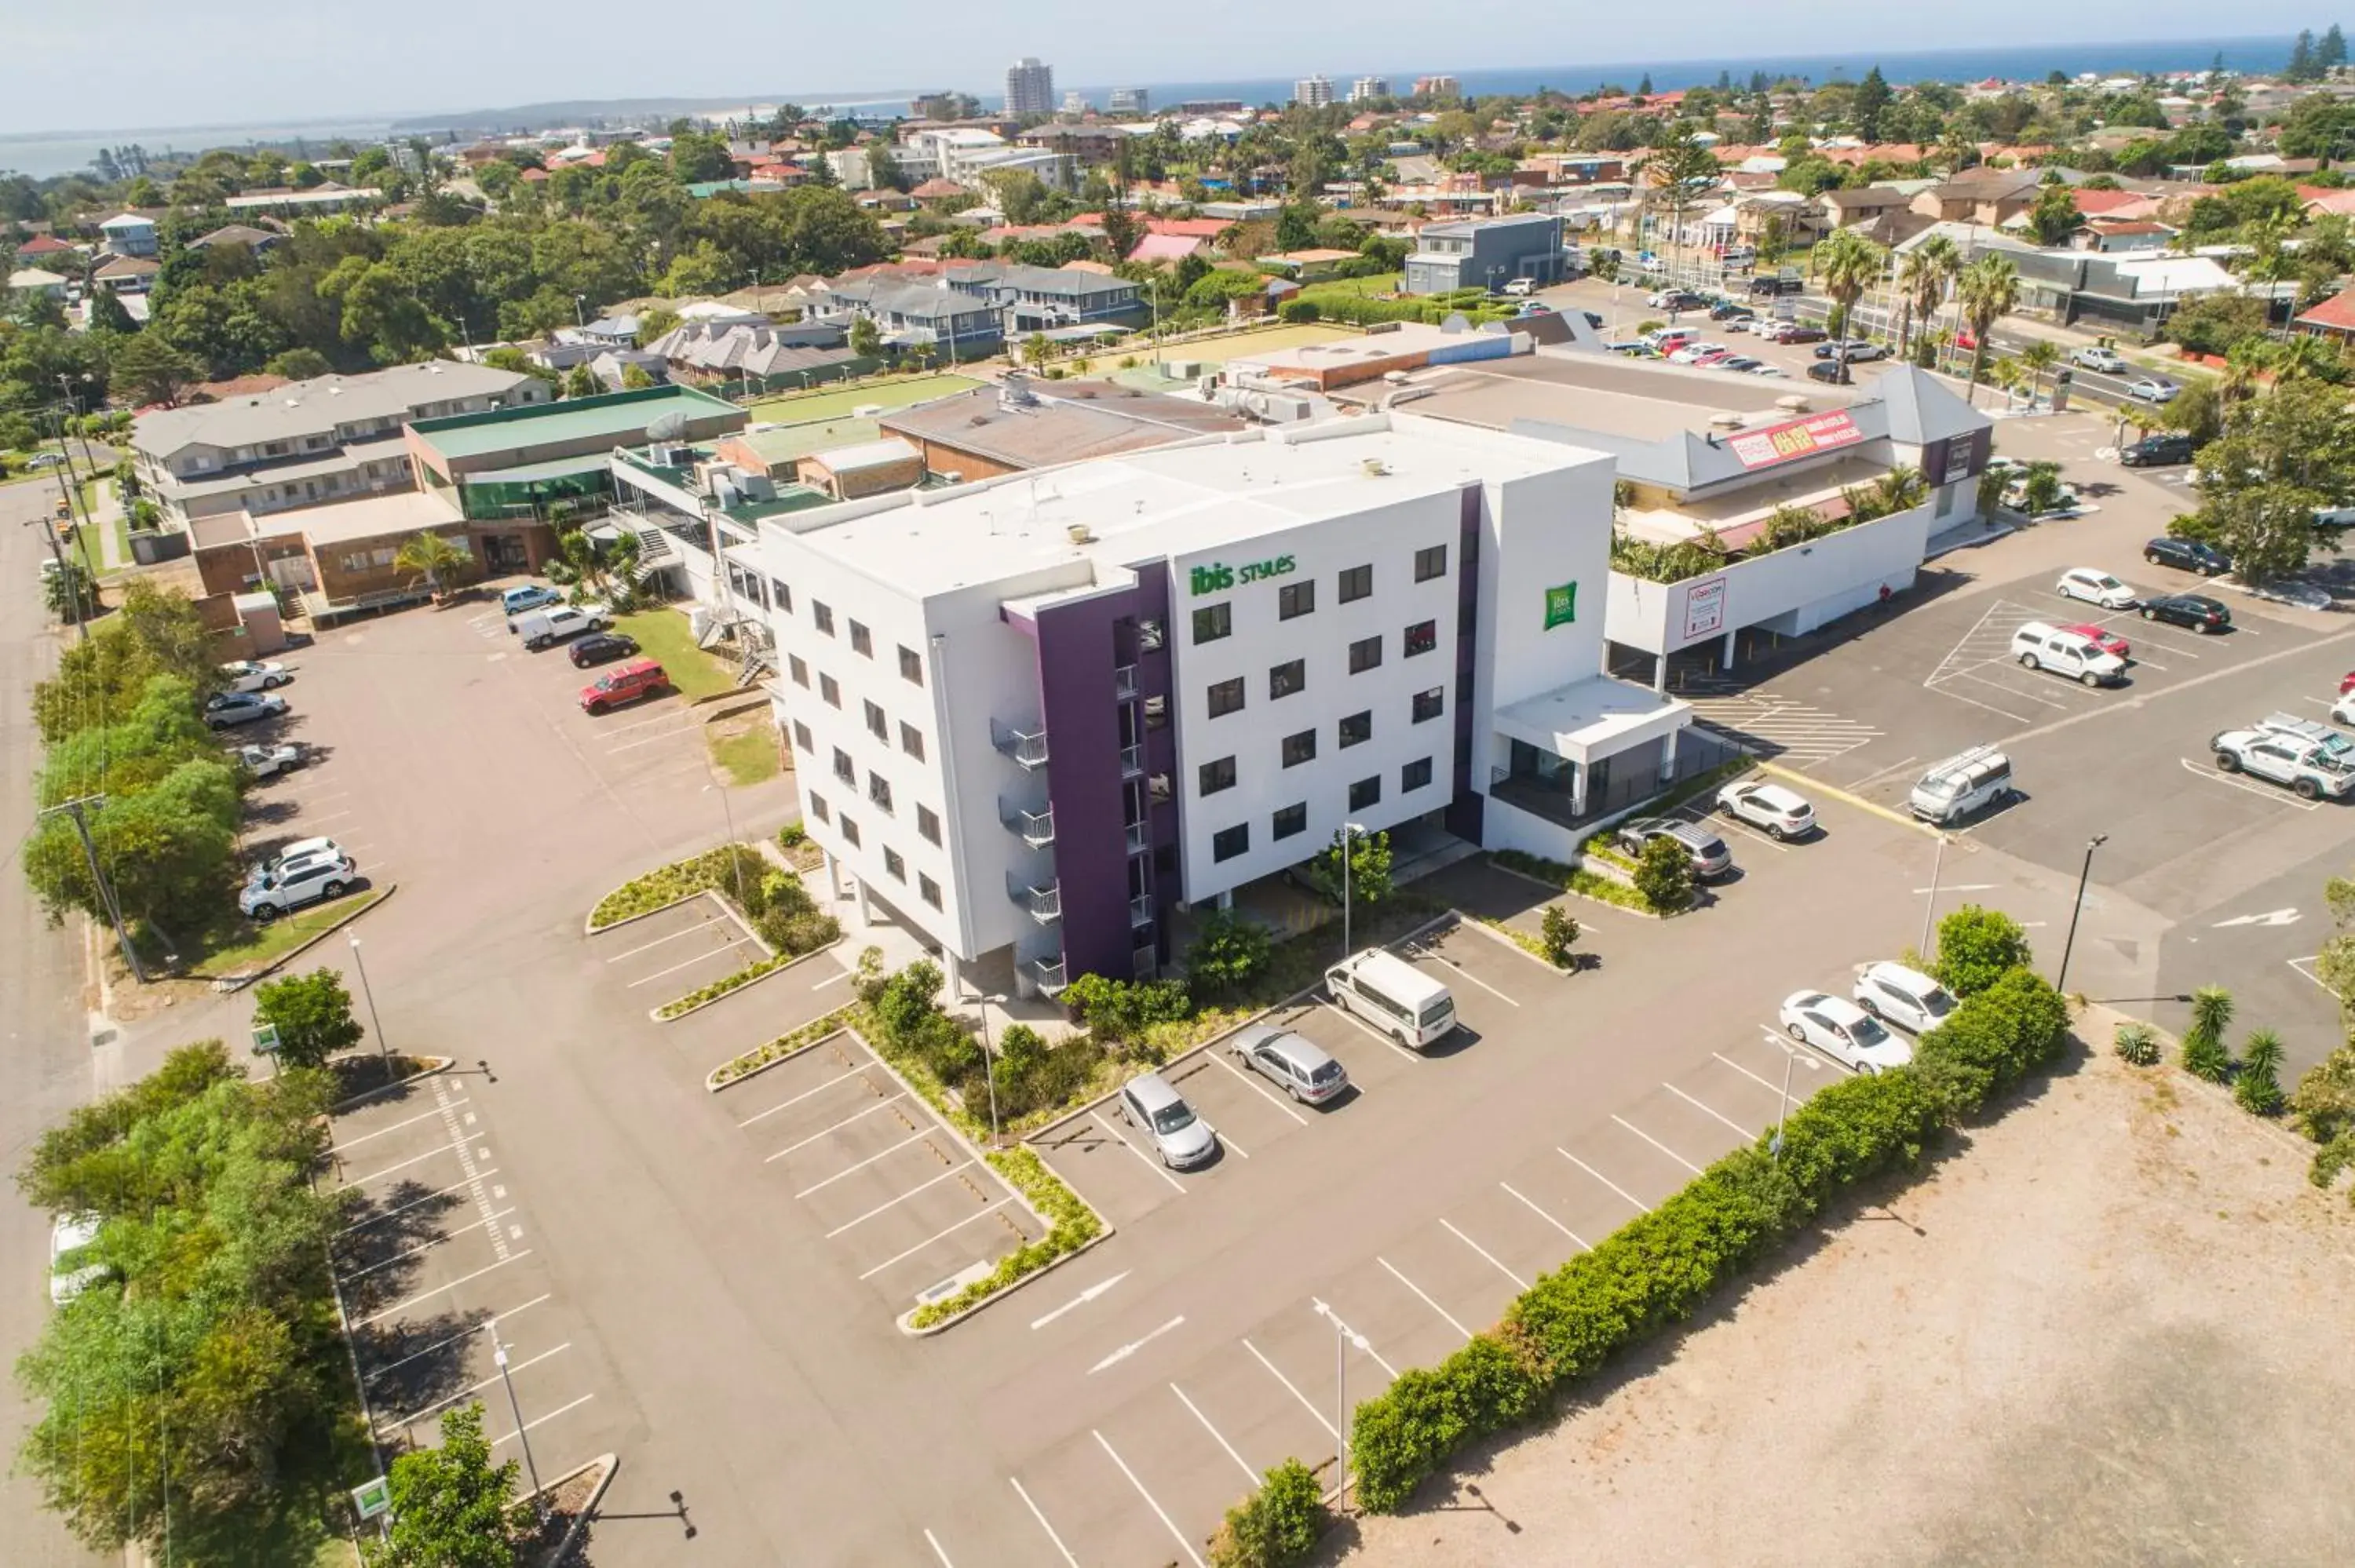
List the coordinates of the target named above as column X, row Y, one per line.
column 1724, row 420
column 1375, row 468
column 1080, row 534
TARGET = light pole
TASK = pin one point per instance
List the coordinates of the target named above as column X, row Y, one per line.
column 2097, row 841
column 728, row 816
column 989, row 1062
column 499, row 1355
column 374, row 1022
column 1791, row 1058
column 1343, row 1337
column 580, row 320
column 1930, row 908
column 1349, row 831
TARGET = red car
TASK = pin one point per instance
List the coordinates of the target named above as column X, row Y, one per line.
column 2106, row 640
column 1965, row 339
column 2348, row 684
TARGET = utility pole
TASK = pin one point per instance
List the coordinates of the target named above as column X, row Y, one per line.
column 73, row 585
column 76, row 809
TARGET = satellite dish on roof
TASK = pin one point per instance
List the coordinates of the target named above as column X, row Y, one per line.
column 1456, row 321
column 671, row 427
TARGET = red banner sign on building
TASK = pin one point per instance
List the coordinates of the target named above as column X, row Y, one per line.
column 1797, row 439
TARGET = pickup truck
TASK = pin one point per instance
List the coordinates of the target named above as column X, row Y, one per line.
column 268, row 761
column 2310, row 771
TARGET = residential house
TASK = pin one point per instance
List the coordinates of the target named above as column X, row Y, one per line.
column 128, row 274
column 1989, row 196
column 46, row 249
column 37, row 280
column 915, row 314
column 1041, row 299
column 1021, row 425
column 1157, row 250
column 130, row 234
column 2334, row 318
column 1852, row 208
column 319, row 199
column 2108, row 235
column 759, row 350
column 1310, row 266
column 1484, row 254
column 258, row 240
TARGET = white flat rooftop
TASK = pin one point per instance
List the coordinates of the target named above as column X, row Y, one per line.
column 1172, row 501
column 1598, row 716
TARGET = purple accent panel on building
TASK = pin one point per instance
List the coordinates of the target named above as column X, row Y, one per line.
column 1466, row 809
column 1155, row 679
column 1076, row 657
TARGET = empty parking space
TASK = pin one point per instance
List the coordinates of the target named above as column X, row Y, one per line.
column 673, row 950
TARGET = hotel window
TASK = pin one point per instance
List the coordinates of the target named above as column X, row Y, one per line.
column 1364, row 654
column 912, row 740
column 930, row 889
column 850, row 828
column 1414, row 776
column 895, row 866
column 822, row 617
column 1228, row 842
column 844, row 768
column 1285, row 679
column 1295, row 600
column 830, row 691
column 1212, row 623
column 1356, row 583
column 1299, row 748
column 878, row 791
column 1217, row 775
column 1430, row 705
column 861, row 642
column 877, row 725
column 780, row 595
column 928, row 824
column 817, row 806
column 801, row 737
column 1292, row 819
column 1431, row 563
column 1421, row 638
column 1357, row 730
column 1365, row 792
column 912, row 665
column 1226, row 697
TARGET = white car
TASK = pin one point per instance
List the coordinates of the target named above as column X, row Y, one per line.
column 1693, row 353
column 1904, row 997
column 268, row 761
column 253, row 675
column 2328, row 741
column 2152, row 389
column 1844, row 1032
column 2094, row 587
column 295, row 853
column 2343, row 710
column 1779, row 811
column 293, row 885
column 2108, row 361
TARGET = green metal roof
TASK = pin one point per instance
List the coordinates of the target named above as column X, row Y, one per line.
column 616, row 416
column 783, row 443
column 790, row 498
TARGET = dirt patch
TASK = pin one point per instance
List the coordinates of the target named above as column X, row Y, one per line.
column 2111, row 1330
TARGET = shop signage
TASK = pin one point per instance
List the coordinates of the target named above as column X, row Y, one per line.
column 1797, row 439
column 1217, row 577
column 1561, row 605
column 1704, row 608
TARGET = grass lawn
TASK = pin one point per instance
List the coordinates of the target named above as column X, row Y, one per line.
column 1361, row 287
column 834, row 402
column 749, row 754
column 238, row 946
column 663, row 636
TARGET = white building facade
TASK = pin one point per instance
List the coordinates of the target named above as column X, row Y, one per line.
column 1313, row 92
column 1030, row 87
column 1036, row 716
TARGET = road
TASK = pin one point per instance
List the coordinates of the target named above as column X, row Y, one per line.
column 48, row 1067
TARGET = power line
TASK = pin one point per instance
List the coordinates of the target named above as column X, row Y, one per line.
column 76, row 809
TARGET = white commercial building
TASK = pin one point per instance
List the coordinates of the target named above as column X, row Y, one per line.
column 1030, row 87
column 1368, row 88
column 1313, row 92
column 1036, row 716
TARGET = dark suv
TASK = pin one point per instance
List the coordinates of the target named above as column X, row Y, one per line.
column 2151, row 452
column 2187, row 556
column 1776, row 285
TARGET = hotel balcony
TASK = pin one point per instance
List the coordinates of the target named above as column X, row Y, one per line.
column 1140, row 911
column 1044, row 901
column 1048, row 974
column 1028, row 749
column 1036, row 828
column 1123, row 682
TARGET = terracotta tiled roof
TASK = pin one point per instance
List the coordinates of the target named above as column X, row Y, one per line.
column 2337, row 312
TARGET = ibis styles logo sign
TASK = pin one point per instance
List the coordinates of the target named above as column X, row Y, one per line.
column 1561, row 605
column 1218, row 578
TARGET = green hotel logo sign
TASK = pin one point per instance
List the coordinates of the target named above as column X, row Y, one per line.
column 1217, row 577
column 1561, row 605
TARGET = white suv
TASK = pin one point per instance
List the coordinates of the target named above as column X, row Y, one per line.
column 1905, row 997
column 290, row 888
column 2312, row 771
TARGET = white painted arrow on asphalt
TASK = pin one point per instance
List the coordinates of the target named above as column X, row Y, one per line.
column 2270, row 918
column 1082, row 1299
column 1127, row 1350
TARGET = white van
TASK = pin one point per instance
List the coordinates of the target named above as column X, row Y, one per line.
column 1666, row 340
column 1521, row 288
column 2071, row 653
column 1392, row 995
column 1962, row 784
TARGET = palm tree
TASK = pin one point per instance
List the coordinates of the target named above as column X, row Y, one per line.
column 1677, row 167
column 1988, row 288
column 2243, row 363
column 2204, row 1052
column 1923, row 275
column 440, row 561
column 1901, row 489
column 2037, row 357
column 2301, row 356
column 1849, row 264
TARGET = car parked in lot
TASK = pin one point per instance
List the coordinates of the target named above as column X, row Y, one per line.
column 1832, row 372
column 1783, row 813
column 601, row 648
column 1843, row 1031
column 2041, row 647
column 301, row 849
column 1710, row 858
column 291, row 888
column 241, row 707
column 2187, row 555
column 1740, row 363
column 515, row 601
column 545, row 628
column 1861, row 351
column 253, row 675
column 2101, row 637
column 2157, row 451
column 1181, row 1138
column 2108, row 361
column 1962, row 784
column 1294, row 1063
column 2310, row 771
column 2195, row 610
column 624, row 684
column 1675, row 300
column 2343, row 710
column 2308, row 732
column 1904, row 997
column 268, row 761
column 1698, row 353
column 1793, row 331
column 1730, row 312
column 2094, row 586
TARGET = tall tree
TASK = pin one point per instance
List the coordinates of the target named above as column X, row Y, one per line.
column 1988, row 289
column 1680, row 168
column 312, row 1015
column 1923, row 276
column 451, row 1505
column 1871, row 100
column 1849, row 264
column 151, row 370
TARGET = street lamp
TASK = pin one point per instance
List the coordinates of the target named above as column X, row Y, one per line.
column 2085, row 872
column 499, row 1355
column 1791, row 1058
column 382, row 1050
column 1343, row 1337
column 1349, row 831
column 989, row 1063
column 578, row 319
column 1930, row 908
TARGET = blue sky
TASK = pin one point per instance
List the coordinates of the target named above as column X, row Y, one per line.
column 243, row 62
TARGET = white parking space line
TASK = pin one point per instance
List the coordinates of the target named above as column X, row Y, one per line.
column 1767, row 1084
column 1893, row 768
column 1231, row 1143
column 2306, row 966
column 1484, row 1251
column 508, row 1315
column 1042, row 1523
column 396, row 1127
column 1430, row 952
column 426, row 1246
column 935, row 1542
column 1150, row 1163
column 543, row 1420
column 826, row 1132
column 1111, row 1454
column 1261, row 1089
column 311, row 822
column 652, row 739
column 895, row 1202
column 666, row 719
column 396, row 1422
column 1945, row 690
column 1426, row 1300
column 418, row 1159
column 831, row 979
column 1287, row 1383
column 1344, row 1014
column 1599, row 1176
column 938, row 1236
column 1655, row 1143
column 1737, row 1126
column 807, row 1093
column 400, row 1307
column 2279, row 797
column 695, row 930
column 443, row 1192
column 1216, row 1437
column 916, row 1137
column 1549, row 1218
column 737, row 941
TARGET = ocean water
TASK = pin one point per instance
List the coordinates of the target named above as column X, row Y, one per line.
column 44, row 155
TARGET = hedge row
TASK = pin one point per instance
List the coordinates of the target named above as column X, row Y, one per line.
column 1072, row 1226
column 679, row 1006
column 1657, row 1269
column 1572, row 879
column 738, row 1068
column 681, row 879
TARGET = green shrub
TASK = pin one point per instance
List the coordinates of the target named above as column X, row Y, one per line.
column 1227, row 952
column 1664, row 875
column 1116, row 1010
column 2205, row 1056
column 1296, row 311
column 723, row 869
column 1977, row 946
column 1071, row 1224
column 1558, row 930
column 1276, row 1526
column 2137, row 1043
column 2258, row 1088
column 777, row 1049
column 1569, row 879
column 1993, row 1040
column 792, row 836
column 720, row 987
